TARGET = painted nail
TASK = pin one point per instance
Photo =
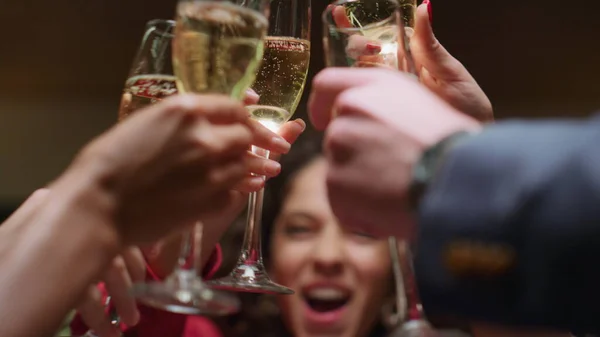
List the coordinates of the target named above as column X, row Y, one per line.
column 251, row 94
column 373, row 47
column 428, row 3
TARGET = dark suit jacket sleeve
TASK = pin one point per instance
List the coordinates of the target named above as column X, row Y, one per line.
column 529, row 188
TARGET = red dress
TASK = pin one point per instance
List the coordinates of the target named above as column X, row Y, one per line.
column 159, row 323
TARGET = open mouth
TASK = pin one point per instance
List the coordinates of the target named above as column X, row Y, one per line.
column 324, row 300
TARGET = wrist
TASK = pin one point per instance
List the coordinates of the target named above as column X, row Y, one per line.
column 425, row 170
column 84, row 201
column 447, row 124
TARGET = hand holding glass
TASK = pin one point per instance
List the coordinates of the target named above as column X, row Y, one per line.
column 369, row 33
column 151, row 79
column 279, row 83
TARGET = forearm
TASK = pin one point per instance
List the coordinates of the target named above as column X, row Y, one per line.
column 508, row 230
column 49, row 259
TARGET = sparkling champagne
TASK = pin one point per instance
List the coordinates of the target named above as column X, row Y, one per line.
column 141, row 91
column 217, row 47
column 409, row 12
column 280, row 80
column 271, row 117
column 377, row 44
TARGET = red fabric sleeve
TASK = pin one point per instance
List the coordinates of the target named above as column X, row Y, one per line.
column 159, row 323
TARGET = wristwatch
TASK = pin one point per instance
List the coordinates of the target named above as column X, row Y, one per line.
column 426, row 168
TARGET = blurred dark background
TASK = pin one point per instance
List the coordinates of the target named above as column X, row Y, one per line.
column 63, row 63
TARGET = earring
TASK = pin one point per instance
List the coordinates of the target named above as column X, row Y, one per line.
column 390, row 317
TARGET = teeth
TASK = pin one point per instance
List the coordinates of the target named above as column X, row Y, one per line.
column 327, row 294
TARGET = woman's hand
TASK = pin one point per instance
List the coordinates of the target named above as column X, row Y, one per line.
column 438, row 70
column 129, row 267
column 125, row 270
column 443, row 74
column 162, row 257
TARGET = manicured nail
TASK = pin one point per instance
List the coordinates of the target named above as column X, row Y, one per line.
column 252, row 94
column 428, row 3
column 373, row 47
column 272, row 168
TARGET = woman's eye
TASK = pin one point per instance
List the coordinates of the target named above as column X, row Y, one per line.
column 297, row 230
column 363, row 235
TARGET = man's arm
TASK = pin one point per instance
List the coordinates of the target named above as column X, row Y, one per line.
column 509, row 230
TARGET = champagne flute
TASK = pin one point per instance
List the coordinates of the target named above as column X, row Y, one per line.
column 151, row 76
column 280, row 83
column 369, row 33
column 376, row 33
column 150, row 80
column 410, row 318
column 218, row 45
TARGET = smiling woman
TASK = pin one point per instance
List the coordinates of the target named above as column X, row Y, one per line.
column 342, row 279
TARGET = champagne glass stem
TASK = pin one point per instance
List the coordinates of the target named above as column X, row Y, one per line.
column 400, row 315
column 251, row 248
column 413, row 302
column 189, row 254
column 249, row 274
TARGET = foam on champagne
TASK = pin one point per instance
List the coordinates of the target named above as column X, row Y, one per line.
column 217, row 47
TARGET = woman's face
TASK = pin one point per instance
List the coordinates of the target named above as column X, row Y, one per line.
column 341, row 279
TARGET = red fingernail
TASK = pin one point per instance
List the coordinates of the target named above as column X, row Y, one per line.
column 373, row 47
column 252, row 94
column 428, row 3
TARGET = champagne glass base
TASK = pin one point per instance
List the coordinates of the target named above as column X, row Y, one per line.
column 250, row 278
column 261, row 286
column 415, row 328
column 186, row 295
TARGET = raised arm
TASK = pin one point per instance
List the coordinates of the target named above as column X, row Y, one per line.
column 147, row 177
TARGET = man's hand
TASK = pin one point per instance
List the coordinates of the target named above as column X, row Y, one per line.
column 382, row 126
